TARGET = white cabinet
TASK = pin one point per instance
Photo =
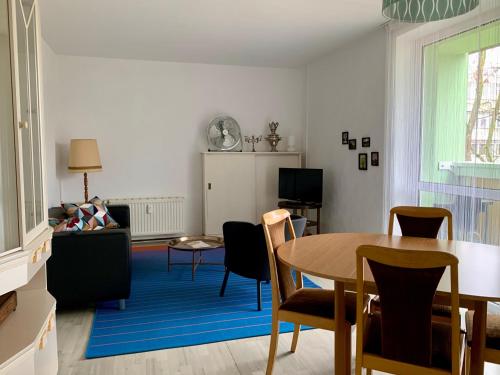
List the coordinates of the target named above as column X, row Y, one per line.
column 241, row 185
column 28, row 343
column 23, row 213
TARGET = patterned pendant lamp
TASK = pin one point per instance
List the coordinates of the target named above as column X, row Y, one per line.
column 426, row 10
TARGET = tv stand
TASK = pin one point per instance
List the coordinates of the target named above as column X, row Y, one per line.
column 304, row 207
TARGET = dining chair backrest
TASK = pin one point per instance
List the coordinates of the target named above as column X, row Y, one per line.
column 407, row 281
column 420, row 221
column 283, row 285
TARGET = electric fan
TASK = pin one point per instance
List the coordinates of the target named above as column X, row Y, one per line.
column 224, row 134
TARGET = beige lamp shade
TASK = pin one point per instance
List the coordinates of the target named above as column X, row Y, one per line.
column 84, row 156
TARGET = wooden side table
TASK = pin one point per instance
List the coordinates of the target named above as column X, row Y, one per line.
column 183, row 244
column 304, row 207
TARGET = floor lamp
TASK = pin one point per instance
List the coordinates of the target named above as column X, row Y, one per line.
column 83, row 158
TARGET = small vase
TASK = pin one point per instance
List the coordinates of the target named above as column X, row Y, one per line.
column 273, row 138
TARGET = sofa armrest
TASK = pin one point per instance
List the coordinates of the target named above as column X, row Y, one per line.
column 121, row 213
column 90, row 266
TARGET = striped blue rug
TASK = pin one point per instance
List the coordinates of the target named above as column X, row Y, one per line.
column 168, row 310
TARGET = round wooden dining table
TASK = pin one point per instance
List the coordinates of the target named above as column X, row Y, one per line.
column 333, row 256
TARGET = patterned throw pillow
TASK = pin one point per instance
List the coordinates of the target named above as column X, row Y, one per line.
column 94, row 215
column 55, row 221
column 109, row 221
column 73, row 224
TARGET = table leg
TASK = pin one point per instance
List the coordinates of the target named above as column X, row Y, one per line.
column 192, row 266
column 318, row 220
column 168, row 258
column 478, row 338
column 342, row 351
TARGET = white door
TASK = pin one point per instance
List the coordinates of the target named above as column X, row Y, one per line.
column 229, row 190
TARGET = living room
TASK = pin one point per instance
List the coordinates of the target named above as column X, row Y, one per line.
column 170, row 164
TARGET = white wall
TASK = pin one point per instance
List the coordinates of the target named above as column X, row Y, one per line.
column 150, row 120
column 346, row 92
column 50, row 94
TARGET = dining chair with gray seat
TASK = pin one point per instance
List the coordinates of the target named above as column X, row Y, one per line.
column 402, row 337
column 492, row 350
column 291, row 302
column 424, row 222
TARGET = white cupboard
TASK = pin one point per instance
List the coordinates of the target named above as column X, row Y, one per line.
column 28, row 340
column 241, row 186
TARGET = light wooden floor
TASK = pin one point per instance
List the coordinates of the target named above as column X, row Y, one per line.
column 247, row 356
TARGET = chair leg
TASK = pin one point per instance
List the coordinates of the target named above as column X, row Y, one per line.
column 121, row 304
column 273, row 346
column 295, row 339
column 224, row 283
column 368, row 371
column 259, row 296
column 348, row 337
column 467, row 360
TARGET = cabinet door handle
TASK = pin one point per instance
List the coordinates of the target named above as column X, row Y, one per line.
column 43, row 341
column 23, row 125
column 209, row 186
column 36, row 256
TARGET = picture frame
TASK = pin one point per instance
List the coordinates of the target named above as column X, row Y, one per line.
column 345, row 138
column 375, row 159
column 365, row 142
column 363, row 162
column 352, row 144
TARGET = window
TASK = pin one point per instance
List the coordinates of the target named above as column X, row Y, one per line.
column 483, row 102
column 460, row 134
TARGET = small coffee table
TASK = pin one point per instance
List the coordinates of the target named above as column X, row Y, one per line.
column 184, row 244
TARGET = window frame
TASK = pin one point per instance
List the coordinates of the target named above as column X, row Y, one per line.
column 437, row 187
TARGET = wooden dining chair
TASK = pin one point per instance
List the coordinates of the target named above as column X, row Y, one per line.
column 422, row 222
column 290, row 301
column 492, row 350
column 402, row 338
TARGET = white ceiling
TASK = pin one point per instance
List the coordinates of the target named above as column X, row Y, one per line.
column 281, row 33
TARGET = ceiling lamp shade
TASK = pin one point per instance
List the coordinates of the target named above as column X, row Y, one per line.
column 426, row 10
column 84, row 156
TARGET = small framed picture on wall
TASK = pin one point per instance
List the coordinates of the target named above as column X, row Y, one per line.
column 365, row 141
column 363, row 162
column 345, row 138
column 352, row 144
column 375, row 159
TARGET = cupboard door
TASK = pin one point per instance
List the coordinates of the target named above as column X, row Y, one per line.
column 229, row 190
column 24, row 115
column 9, row 229
column 29, row 117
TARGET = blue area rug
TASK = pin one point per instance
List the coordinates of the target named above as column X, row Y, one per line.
column 168, row 310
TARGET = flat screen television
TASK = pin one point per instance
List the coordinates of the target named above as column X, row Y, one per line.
column 301, row 184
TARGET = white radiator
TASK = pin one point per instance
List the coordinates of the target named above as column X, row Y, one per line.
column 152, row 217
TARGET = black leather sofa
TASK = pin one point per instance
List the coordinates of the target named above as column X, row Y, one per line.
column 91, row 266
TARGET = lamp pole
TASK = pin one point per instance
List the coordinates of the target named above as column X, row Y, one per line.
column 86, row 186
